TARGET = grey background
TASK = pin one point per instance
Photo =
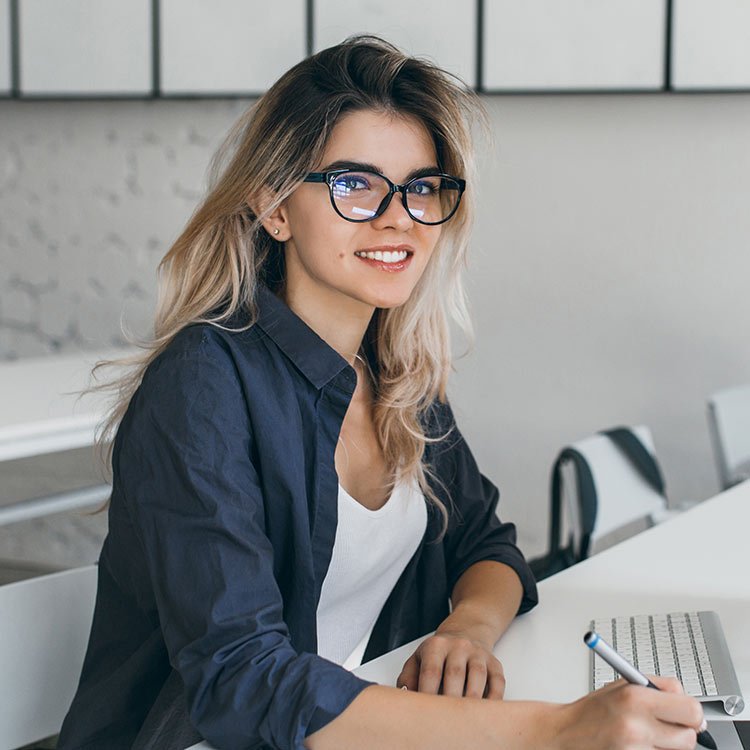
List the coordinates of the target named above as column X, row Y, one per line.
column 608, row 273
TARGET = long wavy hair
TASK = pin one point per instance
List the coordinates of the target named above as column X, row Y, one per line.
column 214, row 267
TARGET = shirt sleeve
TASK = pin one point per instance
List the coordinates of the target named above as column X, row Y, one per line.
column 474, row 532
column 194, row 497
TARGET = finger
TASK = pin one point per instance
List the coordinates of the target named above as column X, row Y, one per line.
column 654, row 718
column 681, row 709
column 667, row 684
column 476, row 678
column 430, row 672
column 409, row 676
column 454, row 674
column 496, row 681
column 672, row 737
column 674, row 708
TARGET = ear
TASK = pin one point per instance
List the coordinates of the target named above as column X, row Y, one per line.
column 277, row 222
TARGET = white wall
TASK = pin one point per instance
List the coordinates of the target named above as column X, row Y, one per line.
column 91, row 196
column 608, row 277
column 609, row 283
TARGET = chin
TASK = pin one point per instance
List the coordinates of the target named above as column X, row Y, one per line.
column 386, row 301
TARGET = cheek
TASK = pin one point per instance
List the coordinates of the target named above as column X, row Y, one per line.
column 430, row 238
column 314, row 231
column 322, row 241
column 428, row 255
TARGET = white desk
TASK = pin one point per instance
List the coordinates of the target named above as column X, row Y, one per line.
column 40, row 413
column 698, row 560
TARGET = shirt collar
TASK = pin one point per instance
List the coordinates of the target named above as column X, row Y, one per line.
column 310, row 354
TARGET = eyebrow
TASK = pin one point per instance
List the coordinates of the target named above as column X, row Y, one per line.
column 364, row 167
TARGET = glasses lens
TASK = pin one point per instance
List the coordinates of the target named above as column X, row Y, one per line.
column 358, row 195
column 432, row 199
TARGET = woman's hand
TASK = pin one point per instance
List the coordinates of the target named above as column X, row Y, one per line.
column 630, row 717
column 452, row 663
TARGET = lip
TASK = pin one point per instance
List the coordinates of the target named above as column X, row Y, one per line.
column 388, row 267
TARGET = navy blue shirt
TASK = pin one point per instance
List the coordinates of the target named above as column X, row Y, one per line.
column 222, row 522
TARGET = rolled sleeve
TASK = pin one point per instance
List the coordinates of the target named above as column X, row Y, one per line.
column 194, row 496
column 475, row 532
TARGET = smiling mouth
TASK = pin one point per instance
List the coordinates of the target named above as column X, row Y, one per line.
column 384, row 256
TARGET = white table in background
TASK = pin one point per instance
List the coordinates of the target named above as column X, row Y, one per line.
column 40, row 413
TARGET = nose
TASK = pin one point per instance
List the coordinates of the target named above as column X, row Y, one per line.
column 395, row 215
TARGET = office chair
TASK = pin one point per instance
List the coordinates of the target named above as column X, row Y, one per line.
column 604, row 489
column 44, row 630
column 729, row 425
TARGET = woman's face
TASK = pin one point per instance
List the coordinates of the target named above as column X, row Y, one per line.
column 325, row 254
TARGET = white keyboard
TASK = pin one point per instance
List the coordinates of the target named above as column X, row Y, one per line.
column 686, row 645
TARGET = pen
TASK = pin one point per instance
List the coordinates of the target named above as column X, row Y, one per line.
column 623, row 667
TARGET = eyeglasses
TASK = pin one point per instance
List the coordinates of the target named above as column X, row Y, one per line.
column 360, row 195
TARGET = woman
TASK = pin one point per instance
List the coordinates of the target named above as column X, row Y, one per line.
column 291, row 494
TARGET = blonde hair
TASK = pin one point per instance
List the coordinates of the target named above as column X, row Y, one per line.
column 214, row 267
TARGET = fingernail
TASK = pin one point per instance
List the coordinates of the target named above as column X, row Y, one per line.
column 704, row 725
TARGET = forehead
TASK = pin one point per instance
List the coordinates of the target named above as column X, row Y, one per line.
column 396, row 143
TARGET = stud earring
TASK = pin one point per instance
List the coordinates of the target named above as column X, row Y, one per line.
column 276, row 231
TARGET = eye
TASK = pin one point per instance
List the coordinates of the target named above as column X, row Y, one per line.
column 425, row 187
column 349, row 183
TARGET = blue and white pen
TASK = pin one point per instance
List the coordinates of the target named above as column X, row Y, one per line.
column 624, row 668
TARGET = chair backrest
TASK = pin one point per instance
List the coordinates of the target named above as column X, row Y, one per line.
column 626, row 503
column 44, row 630
column 729, row 423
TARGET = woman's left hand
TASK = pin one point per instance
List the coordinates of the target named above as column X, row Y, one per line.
column 452, row 663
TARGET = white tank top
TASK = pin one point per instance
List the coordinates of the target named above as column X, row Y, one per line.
column 371, row 550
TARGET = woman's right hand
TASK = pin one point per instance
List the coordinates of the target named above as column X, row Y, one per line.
column 622, row 716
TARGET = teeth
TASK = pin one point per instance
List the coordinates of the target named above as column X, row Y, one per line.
column 395, row 256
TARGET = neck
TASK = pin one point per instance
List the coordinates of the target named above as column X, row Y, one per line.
column 340, row 321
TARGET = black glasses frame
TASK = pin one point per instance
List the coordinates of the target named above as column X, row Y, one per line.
column 393, row 188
